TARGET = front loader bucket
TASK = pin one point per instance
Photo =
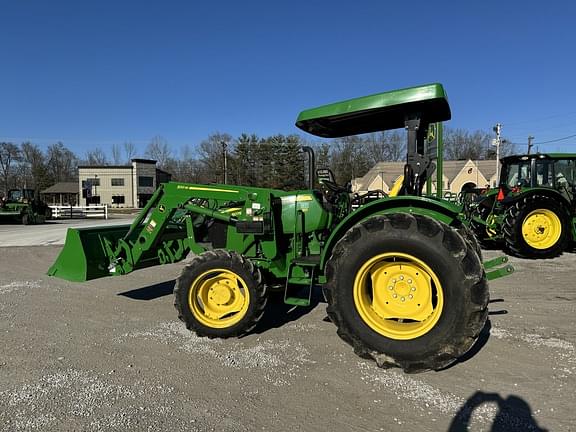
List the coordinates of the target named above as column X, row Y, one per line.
column 84, row 256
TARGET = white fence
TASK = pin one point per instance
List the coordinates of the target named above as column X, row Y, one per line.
column 71, row 212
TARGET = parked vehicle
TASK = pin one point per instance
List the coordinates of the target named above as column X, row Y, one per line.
column 24, row 205
column 402, row 275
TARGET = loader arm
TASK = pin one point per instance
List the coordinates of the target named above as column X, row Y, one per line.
column 164, row 231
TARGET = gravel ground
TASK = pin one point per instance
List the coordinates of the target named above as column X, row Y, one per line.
column 110, row 355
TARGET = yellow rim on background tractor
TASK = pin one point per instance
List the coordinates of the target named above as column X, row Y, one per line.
column 541, row 229
column 219, row 298
column 398, row 296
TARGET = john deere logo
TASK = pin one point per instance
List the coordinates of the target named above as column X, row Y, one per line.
column 161, row 209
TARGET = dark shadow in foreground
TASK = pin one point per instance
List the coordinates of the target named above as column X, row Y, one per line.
column 278, row 313
column 150, row 292
column 480, row 342
column 513, row 414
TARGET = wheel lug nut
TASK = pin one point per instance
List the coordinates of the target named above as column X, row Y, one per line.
column 390, row 287
column 401, row 277
column 395, row 295
column 413, row 288
column 409, row 281
column 402, row 299
column 410, row 296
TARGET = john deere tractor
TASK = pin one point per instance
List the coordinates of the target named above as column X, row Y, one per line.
column 23, row 205
column 533, row 212
column 402, row 276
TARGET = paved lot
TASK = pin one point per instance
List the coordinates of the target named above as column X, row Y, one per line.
column 110, row 355
column 53, row 232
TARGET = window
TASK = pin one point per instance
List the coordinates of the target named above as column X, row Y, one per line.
column 544, row 174
column 118, row 199
column 89, row 182
column 518, row 174
column 565, row 174
column 117, row 182
column 144, row 181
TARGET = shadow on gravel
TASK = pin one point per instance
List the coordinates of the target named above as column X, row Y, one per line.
column 513, row 414
column 480, row 342
column 150, row 292
column 278, row 313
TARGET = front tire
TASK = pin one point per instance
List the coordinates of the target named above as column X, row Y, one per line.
column 536, row 226
column 220, row 294
column 407, row 291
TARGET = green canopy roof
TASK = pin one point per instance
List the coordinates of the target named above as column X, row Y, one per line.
column 378, row 112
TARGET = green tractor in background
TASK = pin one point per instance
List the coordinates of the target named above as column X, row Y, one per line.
column 402, row 276
column 533, row 211
column 24, row 205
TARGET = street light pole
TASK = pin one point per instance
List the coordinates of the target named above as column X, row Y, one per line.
column 224, row 149
column 95, row 186
column 530, row 138
column 497, row 142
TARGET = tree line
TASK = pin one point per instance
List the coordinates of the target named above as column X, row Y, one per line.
column 272, row 162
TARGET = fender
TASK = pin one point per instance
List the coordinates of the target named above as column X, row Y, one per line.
column 440, row 210
column 548, row 192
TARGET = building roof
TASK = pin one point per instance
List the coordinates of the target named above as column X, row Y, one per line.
column 62, row 187
column 487, row 167
column 149, row 161
column 389, row 171
column 106, row 166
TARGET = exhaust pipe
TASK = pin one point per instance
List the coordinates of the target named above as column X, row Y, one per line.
column 311, row 166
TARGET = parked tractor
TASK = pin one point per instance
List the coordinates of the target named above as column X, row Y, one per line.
column 533, row 212
column 402, row 276
column 23, row 205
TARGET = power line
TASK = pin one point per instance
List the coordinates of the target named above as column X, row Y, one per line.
column 522, row 122
column 543, row 142
column 556, row 140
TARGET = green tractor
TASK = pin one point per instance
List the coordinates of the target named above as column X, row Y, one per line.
column 402, row 276
column 533, row 212
column 23, row 205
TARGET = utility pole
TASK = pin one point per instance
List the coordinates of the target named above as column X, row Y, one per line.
column 496, row 142
column 224, row 150
column 530, row 138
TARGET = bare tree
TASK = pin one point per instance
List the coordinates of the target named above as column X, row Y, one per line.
column 212, row 156
column 35, row 170
column 159, row 150
column 385, row 146
column 460, row 144
column 116, row 154
column 62, row 163
column 96, row 156
column 349, row 158
column 129, row 150
column 9, row 153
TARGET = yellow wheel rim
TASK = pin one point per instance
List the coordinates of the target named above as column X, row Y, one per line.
column 219, row 298
column 541, row 229
column 398, row 296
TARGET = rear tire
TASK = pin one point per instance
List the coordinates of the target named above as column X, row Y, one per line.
column 536, row 226
column 220, row 294
column 426, row 331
